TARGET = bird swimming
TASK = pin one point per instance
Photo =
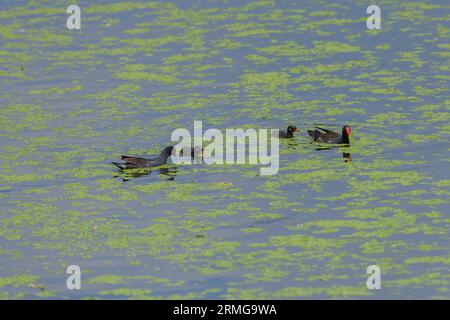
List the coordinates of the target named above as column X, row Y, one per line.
column 289, row 132
column 136, row 162
column 328, row 136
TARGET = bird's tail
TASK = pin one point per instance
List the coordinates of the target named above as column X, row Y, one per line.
column 119, row 165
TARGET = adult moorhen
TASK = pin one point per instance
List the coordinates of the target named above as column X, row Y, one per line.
column 289, row 132
column 135, row 162
column 328, row 136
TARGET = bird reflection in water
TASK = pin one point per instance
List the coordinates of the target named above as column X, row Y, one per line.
column 347, row 156
column 169, row 172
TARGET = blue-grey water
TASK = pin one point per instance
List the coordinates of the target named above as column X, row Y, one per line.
column 72, row 101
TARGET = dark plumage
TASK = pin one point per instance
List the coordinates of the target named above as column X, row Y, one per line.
column 289, row 132
column 328, row 136
column 135, row 162
column 195, row 151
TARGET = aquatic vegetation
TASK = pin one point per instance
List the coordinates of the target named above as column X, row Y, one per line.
column 72, row 102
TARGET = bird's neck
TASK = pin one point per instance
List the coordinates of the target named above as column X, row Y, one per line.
column 165, row 154
column 345, row 139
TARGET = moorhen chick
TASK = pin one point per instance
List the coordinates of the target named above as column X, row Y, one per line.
column 196, row 151
column 328, row 136
column 135, row 162
column 289, row 132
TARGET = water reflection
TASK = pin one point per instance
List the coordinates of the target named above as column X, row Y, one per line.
column 126, row 175
column 347, row 156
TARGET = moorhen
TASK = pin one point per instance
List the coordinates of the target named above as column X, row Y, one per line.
column 329, row 136
column 135, row 162
column 195, row 151
column 289, row 132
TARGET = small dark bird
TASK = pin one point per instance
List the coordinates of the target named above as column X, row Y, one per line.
column 328, row 136
column 135, row 162
column 195, row 151
column 289, row 132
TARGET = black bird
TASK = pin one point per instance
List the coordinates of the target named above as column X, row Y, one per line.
column 135, row 162
column 328, row 136
column 289, row 132
column 195, row 151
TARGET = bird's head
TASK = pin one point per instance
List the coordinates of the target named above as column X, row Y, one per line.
column 292, row 129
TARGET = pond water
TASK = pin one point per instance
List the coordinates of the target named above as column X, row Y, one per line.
column 72, row 101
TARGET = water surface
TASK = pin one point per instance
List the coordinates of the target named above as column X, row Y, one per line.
column 74, row 100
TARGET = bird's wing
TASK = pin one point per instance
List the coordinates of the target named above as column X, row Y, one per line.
column 327, row 131
column 135, row 161
column 313, row 133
